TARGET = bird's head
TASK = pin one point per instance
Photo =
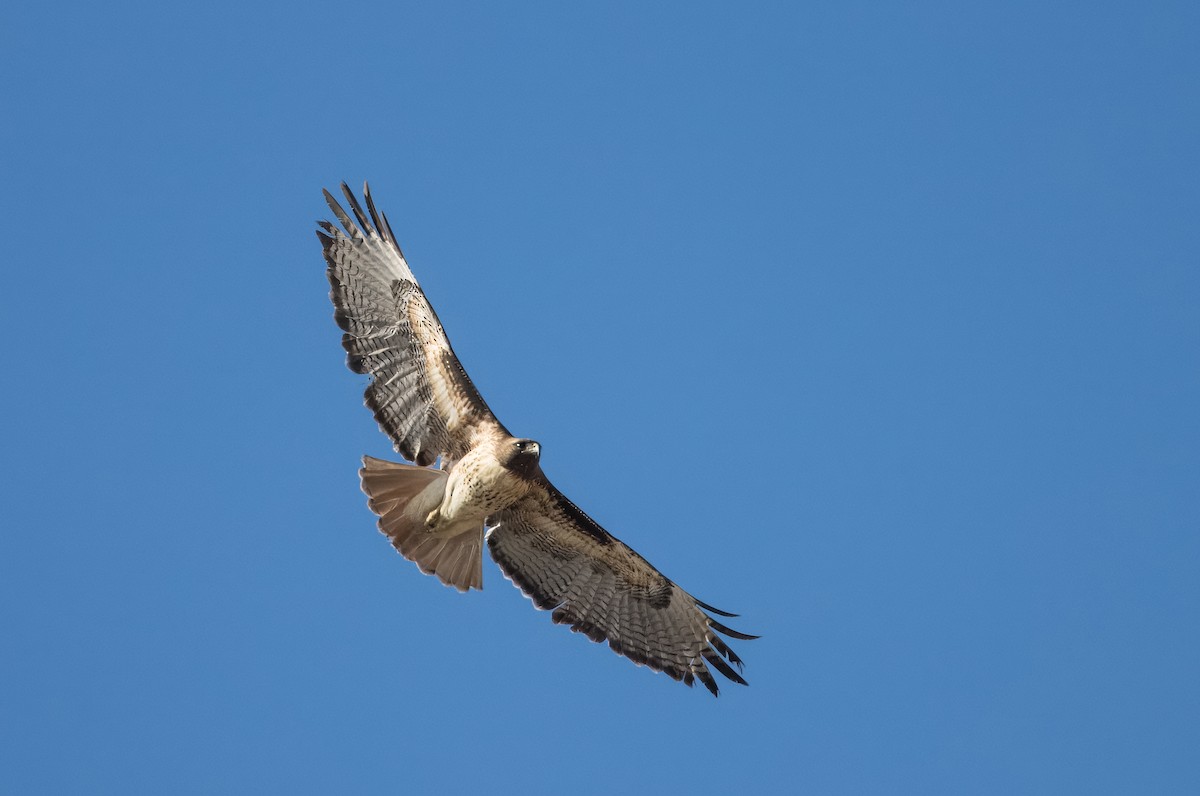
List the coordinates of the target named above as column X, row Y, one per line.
column 523, row 455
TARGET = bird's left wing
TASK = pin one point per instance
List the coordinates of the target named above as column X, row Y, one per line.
column 419, row 392
column 599, row 586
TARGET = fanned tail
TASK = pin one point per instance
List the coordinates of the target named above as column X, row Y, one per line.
column 403, row 495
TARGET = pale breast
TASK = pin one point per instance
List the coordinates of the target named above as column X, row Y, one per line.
column 479, row 486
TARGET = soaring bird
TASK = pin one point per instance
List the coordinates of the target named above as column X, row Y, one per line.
column 471, row 480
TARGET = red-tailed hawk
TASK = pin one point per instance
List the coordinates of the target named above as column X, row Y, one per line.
column 471, row 479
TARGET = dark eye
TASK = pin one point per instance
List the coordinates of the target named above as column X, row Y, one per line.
column 521, row 445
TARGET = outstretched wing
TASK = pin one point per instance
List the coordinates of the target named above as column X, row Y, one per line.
column 566, row 563
column 419, row 392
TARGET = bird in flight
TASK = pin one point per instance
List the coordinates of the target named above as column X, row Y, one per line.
column 472, row 481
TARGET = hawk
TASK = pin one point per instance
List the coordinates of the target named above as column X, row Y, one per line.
column 471, row 480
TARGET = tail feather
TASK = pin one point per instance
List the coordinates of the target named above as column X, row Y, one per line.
column 403, row 495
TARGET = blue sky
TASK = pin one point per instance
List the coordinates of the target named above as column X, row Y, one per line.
column 877, row 324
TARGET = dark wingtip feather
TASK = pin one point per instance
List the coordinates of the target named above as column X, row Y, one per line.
column 371, row 207
column 341, row 215
column 357, row 208
column 387, row 226
column 723, row 648
column 720, row 628
column 381, row 222
column 331, row 200
column 718, row 663
column 717, row 611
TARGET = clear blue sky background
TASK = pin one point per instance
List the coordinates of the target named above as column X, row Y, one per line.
column 878, row 325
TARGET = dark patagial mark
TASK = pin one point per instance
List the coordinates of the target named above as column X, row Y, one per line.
column 451, row 363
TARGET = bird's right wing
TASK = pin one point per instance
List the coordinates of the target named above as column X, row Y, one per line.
column 599, row 586
column 419, row 392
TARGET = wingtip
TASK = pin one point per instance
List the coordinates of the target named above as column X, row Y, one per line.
column 720, row 628
column 711, row 609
